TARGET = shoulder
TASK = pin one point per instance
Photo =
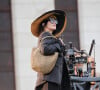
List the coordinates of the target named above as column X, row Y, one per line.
column 47, row 37
column 44, row 34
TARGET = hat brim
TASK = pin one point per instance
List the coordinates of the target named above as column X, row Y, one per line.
column 62, row 21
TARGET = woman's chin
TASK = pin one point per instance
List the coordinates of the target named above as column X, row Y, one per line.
column 53, row 29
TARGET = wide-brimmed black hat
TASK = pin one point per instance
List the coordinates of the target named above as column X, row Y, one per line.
column 61, row 17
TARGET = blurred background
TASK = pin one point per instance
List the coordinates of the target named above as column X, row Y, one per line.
column 16, row 39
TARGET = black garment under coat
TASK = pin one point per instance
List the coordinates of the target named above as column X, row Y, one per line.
column 59, row 74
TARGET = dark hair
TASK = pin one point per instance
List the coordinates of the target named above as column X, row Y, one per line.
column 42, row 25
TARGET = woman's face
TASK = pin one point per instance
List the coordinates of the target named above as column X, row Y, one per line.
column 51, row 24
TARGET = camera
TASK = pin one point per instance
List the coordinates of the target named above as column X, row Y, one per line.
column 77, row 63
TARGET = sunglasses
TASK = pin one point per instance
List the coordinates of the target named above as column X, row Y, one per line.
column 53, row 20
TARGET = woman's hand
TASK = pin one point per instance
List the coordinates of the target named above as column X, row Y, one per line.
column 62, row 41
column 92, row 62
column 90, row 59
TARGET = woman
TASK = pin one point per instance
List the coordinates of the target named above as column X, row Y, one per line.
column 52, row 23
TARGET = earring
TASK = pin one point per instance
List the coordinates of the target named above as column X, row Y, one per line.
column 43, row 24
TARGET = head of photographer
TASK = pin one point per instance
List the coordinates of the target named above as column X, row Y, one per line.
column 52, row 23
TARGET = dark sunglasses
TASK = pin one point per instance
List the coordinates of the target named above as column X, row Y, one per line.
column 53, row 20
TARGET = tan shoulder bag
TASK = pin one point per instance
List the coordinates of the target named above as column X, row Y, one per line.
column 41, row 63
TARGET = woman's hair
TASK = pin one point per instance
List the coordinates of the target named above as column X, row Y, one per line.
column 53, row 16
column 42, row 25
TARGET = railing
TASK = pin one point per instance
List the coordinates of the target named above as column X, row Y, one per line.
column 84, row 83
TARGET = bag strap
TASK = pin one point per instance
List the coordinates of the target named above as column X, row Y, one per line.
column 47, row 37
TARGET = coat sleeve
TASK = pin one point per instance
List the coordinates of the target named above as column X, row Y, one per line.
column 50, row 49
column 49, row 46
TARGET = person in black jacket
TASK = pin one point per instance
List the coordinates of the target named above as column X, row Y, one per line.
column 52, row 23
